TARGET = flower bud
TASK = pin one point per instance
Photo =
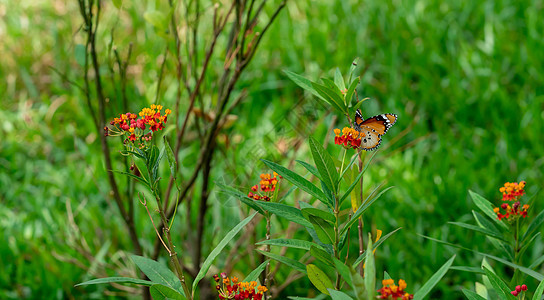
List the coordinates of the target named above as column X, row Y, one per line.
column 514, row 293
column 518, row 288
column 523, row 286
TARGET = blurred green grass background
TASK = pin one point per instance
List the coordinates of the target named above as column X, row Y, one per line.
column 465, row 77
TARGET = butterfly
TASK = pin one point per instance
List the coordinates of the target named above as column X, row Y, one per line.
column 373, row 128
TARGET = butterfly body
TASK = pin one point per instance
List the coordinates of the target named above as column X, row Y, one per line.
column 373, row 128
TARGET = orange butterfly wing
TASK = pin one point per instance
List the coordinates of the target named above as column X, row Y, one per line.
column 373, row 128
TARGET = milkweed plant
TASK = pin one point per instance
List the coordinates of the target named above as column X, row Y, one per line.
column 334, row 187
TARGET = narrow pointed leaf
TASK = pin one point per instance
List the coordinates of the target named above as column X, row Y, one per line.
column 357, row 179
column 254, row 275
column 316, row 212
column 362, row 209
column 157, row 272
column 472, row 295
column 324, row 164
column 319, row 279
column 290, row 243
column 429, row 285
column 352, row 68
column 339, row 80
column 534, row 226
column 140, row 179
column 324, row 230
column 239, row 195
column 310, row 168
column 288, row 212
column 337, row 295
column 351, row 90
column 486, row 207
column 358, row 284
column 297, row 180
column 330, row 96
column 479, row 229
column 374, row 247
column 117, row 280
column 322, row 256
column 370, row 270
column 215, row 252
column 539, row 291
column 303, row 83
column 500, row 286
column 343, row 270
column 297, row 265
column 161, row 292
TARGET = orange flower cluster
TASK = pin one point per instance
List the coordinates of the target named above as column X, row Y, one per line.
column 231, row 289
column 392, row 291
column 511, row 191
column 267, row 187
column 350, row 137
column 512, row 211
column 139, row 128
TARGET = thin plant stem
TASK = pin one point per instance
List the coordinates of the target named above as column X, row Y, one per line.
column 343, row 160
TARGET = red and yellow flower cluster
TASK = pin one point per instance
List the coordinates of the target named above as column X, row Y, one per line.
column 391, row 291
column 350, row 137
column 518, row 290
column 512, row 191
column 267, row 187
column 139, row 128
column 232, row 289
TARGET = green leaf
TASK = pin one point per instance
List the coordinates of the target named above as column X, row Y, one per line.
column 322, row 255
column 117, row 280
column 302, row 82
column 351, row 90
column 332, row 86
column 348, row 167
column 539, row 291
column 339, row 80
column 80, row 54
column 472, row 295
column 525, row 270
column 534, row 226
column 140, row 179
column 316, row 212
column 159, row 291
column 479, row 229
column 297, row 265
column 254, row 275
column 343, row 270
column 370, row 270
column 319, row 279
column 362, row 209
column 290, row 243
column 325, row 165
column 239, row 195
column 374, row 247
column 337, row 295
column 386, row 275
column 171, row 158
column 352, row 68
column 310, row 168
column 357, row 179
column 500, row 286
column 330, row 96
column 358, row 284
column 486, row 207
column 358, row 104
column 157, row 272
column 297, row 180
column 229, row 236
column 468, row 269
column 157, row 19
column 429, row 285
column 288, row 212
column 142, row 168
column 484, row 222
column 324, row 230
